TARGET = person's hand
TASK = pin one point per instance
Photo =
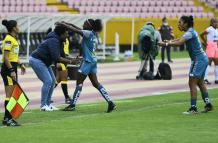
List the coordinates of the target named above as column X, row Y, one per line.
column 162, row 44
column 23, row 69
column 13, row 75
column 79, row 59
column 62, row 24
column 76, row 61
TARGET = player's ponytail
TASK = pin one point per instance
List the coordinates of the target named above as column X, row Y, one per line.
column 5, row 22
column 97, row 25
column 191, row 21
column 9, row 24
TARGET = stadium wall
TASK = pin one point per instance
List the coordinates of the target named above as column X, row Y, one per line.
column 124, row 27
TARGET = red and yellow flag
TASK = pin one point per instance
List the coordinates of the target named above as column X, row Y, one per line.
column 17, row 102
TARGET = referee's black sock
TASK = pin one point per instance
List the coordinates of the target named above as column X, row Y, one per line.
column 65, row 89
column 7, row 113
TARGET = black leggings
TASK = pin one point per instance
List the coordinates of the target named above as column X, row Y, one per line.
column 163, row 53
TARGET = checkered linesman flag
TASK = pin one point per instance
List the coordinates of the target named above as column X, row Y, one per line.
column 18, row 102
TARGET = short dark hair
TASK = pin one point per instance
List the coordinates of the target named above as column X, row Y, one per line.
column 9, row 24
column 60, row 29
column 189, row 20
column 163, row 19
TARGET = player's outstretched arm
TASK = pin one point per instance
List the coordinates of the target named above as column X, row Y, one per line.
column 177, row 42
column 71, row 27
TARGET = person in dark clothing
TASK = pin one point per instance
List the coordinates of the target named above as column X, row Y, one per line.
column 49, row 52
column 166, row 35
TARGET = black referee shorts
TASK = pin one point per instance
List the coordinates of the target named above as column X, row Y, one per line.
column 6, row 75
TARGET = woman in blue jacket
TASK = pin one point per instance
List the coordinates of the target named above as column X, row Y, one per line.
column 49, row 52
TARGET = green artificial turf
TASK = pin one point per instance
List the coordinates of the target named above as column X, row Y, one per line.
column 152, row 119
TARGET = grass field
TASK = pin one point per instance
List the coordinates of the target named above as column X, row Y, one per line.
column 153, row 119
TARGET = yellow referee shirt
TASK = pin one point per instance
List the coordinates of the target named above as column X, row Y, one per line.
column 66, row 47
column 10, row 44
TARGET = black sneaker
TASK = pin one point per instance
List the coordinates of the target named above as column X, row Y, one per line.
column 207, row 108
column 216, row 81
column 67, row 101
column 111, row 107
column 207, row 82
column 70, row 108
column 4, row 122
column 12, row 123
column 192, row 110
column 170, row 61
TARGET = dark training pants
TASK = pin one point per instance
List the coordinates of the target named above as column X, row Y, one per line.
column 168, row 53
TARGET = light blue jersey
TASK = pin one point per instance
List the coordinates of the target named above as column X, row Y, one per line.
column 193, row 44
column 196, row 53
column 89, row 45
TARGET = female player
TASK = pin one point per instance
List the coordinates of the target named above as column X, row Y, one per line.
column 10, row 51
column 88, row 67
column 199, row 62
column 210, row 41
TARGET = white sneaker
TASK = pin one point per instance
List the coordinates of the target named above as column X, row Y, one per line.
column 46, row 108
column 53, row 107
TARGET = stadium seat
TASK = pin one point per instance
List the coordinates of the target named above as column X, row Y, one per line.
column 170, row 8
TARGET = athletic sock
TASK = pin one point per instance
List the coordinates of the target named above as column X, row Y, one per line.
column 104, row 93
column 65, row 89
column 76, row 94
column 193, row 101
column 216, row 73
column 205, row 97
column 206, row 73
column 7, row 113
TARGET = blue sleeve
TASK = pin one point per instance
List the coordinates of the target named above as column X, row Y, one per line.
column 54, row 49
column 187, row 36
